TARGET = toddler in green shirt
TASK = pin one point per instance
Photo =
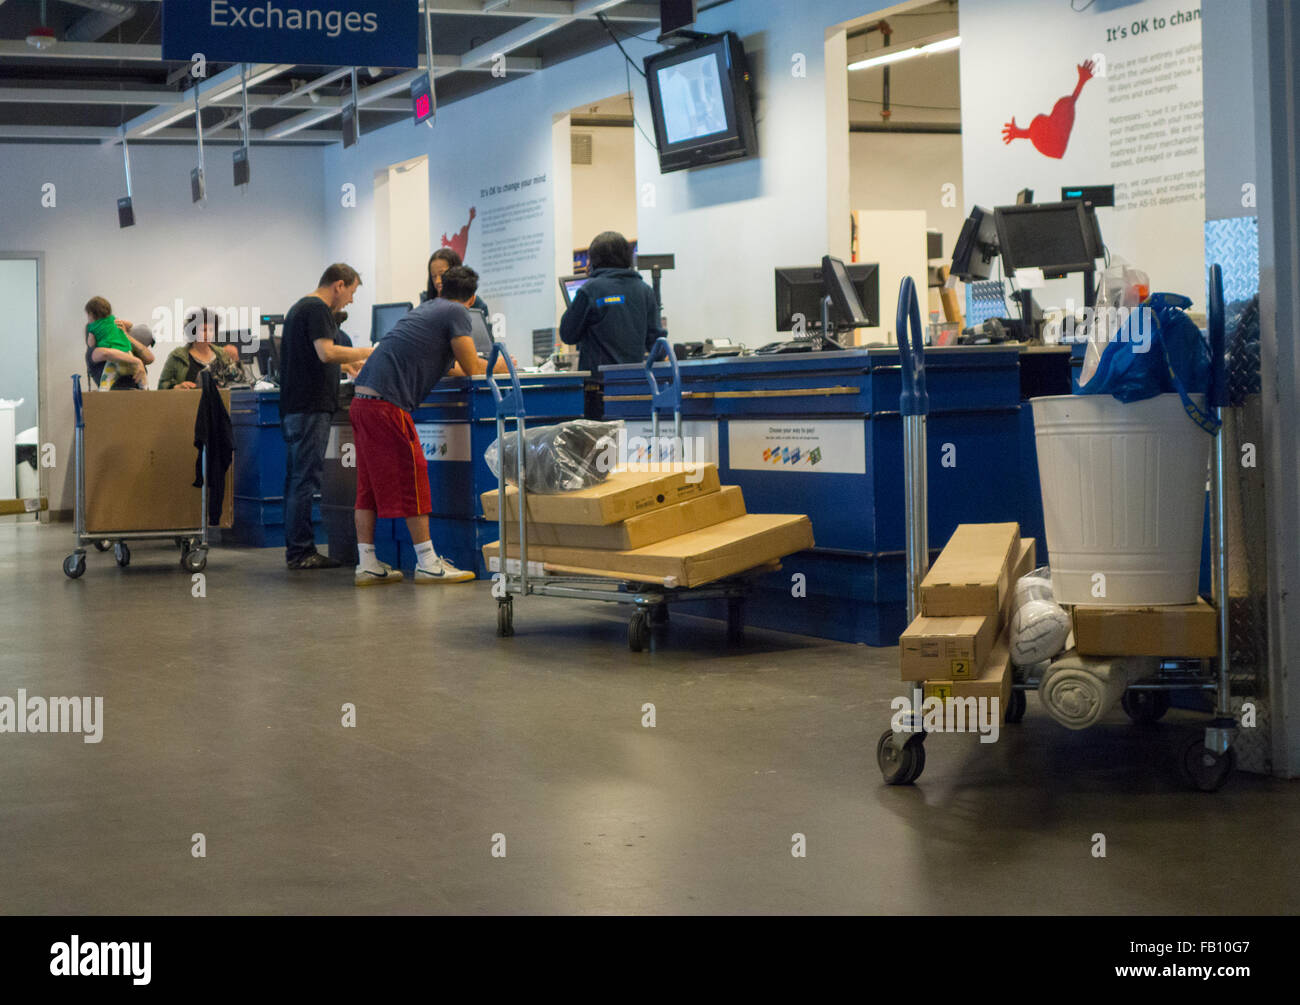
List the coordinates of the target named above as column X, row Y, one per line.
column 103, row 328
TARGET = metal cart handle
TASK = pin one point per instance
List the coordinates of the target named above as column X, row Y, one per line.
column 510, row 404
column 1218, row 396
column 670, row 394
column 76, row 399
column 914, row 399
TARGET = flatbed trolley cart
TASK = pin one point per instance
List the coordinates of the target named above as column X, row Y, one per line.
column 1208, row 759
column 192, row 541
column 650, row 601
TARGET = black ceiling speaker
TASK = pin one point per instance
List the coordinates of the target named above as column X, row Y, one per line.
column 676, row 14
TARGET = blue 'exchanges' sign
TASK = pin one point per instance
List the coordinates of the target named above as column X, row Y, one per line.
column 315, row 32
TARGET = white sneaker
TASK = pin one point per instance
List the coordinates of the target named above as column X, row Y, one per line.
column 443, row 572
column 364, row 577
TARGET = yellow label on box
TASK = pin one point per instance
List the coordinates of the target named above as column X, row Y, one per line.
column 960, row 668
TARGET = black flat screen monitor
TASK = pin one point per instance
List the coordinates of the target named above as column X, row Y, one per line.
column 701, row 103
column 976, row 247
column 844, row 295
column 1057, row 237
column 569, row 285
column 384, row 316
column 799, row 291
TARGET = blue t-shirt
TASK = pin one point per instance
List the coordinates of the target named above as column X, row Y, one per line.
column 416, row 353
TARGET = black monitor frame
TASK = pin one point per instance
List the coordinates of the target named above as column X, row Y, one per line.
column 739, row 139
column 374, row 317
column 810, row 281
column 564, row 287
column 1087, row 232
column 977, row 247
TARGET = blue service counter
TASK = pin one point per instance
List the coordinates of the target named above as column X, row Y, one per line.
column 802, row 433
column 821, row 434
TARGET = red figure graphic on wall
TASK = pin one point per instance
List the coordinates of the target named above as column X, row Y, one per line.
column 1050, row 134
column 460, row 242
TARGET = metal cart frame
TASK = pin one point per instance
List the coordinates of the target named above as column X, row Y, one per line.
column 650, row 602
column 192, row 541
column 1208, row 759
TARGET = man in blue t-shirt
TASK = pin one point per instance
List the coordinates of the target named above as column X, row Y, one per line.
column 392, row 474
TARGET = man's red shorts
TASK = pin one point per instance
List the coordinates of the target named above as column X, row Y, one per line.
column 392, row 474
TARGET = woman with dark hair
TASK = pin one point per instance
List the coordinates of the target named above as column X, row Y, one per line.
column 200, row 352
column 614, row 317
column 439, row 262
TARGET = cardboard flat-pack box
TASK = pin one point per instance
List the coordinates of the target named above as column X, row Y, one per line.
column 994, row 680
column 627, row 492
column 1181, row 631
column 693, row 559
column 140, row 458
column 1023, row 565
column 638, row 531
column 946, row 648
column 972, row 573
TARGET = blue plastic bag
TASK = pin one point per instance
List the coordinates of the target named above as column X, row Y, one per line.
column 1158, row 350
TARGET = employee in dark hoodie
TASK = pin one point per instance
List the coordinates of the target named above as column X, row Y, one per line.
column 614, row 317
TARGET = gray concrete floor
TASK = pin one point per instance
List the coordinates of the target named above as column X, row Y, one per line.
column 222, row 717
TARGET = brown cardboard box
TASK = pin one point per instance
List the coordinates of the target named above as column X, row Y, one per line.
column 140, row 458
column 971, row 574
column 994, row 680
column 639, row 531
column 1183, row 631
column 625, row 493
column 693, row 559
column 946, row 648
column 1023, row 565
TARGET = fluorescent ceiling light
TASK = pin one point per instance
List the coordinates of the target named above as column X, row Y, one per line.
column 929, row 49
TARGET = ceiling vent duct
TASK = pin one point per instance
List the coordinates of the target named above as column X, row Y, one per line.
column 103, row 17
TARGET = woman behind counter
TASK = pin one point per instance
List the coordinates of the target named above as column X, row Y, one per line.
column 614, row 317
column 200, row 352
column 442, row 260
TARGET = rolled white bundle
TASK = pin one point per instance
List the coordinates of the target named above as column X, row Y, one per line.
column 1039, row 625
column 1078, row 692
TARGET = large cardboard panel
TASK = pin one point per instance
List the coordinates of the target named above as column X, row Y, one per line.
column 140, row 458
column 972, row 573
column 693, row 559
column 946, row 648
column 1183, row 631
column 627, row 492
column 639, row 531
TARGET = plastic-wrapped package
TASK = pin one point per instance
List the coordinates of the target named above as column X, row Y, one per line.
column 563, row 458
column 1039, row 625
column 1122, row 286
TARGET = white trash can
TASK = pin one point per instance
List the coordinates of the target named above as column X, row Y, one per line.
column 1124, row 489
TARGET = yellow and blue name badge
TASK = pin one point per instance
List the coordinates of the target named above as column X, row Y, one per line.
column 616, row 299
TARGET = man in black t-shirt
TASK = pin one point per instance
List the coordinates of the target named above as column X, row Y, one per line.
column 309, row 395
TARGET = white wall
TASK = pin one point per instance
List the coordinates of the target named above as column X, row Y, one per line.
column 402, row 239
column 604, row 191
column 262, row 247
column 18, row 294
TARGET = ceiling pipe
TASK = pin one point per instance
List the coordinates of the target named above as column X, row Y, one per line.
column 103, row 17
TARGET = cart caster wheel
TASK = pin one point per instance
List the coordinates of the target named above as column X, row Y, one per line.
column 103, row 545
column 735, row 622
column 904, row 768
column 74, row 565
column 1205, row 769
column 505, row 619
column 1145, row 707
column 122, row 554
column 1016, row 706
column 196, row 560
column 638, row 632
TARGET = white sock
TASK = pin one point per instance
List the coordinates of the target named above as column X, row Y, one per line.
column 425, row 557
column 368, row 561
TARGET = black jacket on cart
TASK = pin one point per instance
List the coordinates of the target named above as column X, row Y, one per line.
column 212, row 429
column 614, row 318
